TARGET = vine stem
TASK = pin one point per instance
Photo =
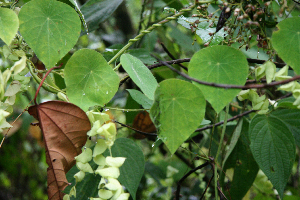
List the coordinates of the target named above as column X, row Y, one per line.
column 148, row 30
column 219, row 149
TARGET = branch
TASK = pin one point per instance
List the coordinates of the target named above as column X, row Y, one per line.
column 177, row 194
column 171, row 56
column 228, row 86
column 141, row 132
column 222, row 122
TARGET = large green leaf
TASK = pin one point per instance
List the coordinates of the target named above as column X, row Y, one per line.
column 132, row 170
column 89, row 79
column 291, row 118
column 245, row 168
column 273, row 148
column 219, row 64
column 178, row 110
column 50, row 28
column 97, row 11
column 286, row 41
column 140, row 74
column 9, row 24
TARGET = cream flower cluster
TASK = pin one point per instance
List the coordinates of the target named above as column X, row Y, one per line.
column 108, row 167
column 10, row 96
column 268, row 70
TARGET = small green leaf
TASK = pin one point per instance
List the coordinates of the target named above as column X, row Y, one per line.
column 89, row 79
column 140, row 74
column 234, row 139
column 286, row 41
column 9, row 24
column 50, row 28
column 132, row 170
column 273, row 148
column 178, row 110
column 140, row 98
column 219, row 64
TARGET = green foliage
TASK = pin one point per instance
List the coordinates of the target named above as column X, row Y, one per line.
column 89, row 79
column 286, row 42
column 219, row 64
column 50, row 35
column 133, row 168
column 9, row 23
column 140, row 74
column 273, row 148
column 256, row 150
column 177, row 111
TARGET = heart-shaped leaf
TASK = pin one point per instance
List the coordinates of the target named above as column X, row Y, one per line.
column 9, row 24
column 178, row 110
column 89, row 79
column 286, row 41
column 140, row 74
column 273, row 147
column 64, row 127
column 50, row 28
column 219, row 64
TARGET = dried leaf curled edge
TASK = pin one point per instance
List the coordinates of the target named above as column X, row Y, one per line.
column 64, row 126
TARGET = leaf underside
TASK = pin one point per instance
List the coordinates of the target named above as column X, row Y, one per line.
column 64, row 127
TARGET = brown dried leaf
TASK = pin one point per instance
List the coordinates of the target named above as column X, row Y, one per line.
column 64, row 126
column 142, row 122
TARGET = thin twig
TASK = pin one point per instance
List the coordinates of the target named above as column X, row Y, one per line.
column 228, row 86
column 141, row 132
column 177, row 194
column 222, row 122
column 171, row 56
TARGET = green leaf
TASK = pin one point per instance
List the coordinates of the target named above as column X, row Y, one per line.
column 273, row 148
column 234, row 139
column 286, row 103
column 9, row 24
column 140, row 98
column 89, row 79
column 178, row 110
column 291, row 118
column 219, row 64
column 143, row 55
column 286, row 41
column 132, row 170
column 97, row 11
column 245, row 168
column 140, row 74
column 50, row 28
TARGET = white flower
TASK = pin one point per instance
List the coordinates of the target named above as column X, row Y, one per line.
column 79, row 176
column 112, row 172
column 115, row 162
column 85, row 156
column 85, row 167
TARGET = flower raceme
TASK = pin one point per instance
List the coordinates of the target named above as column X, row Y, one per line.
column 108, row 167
